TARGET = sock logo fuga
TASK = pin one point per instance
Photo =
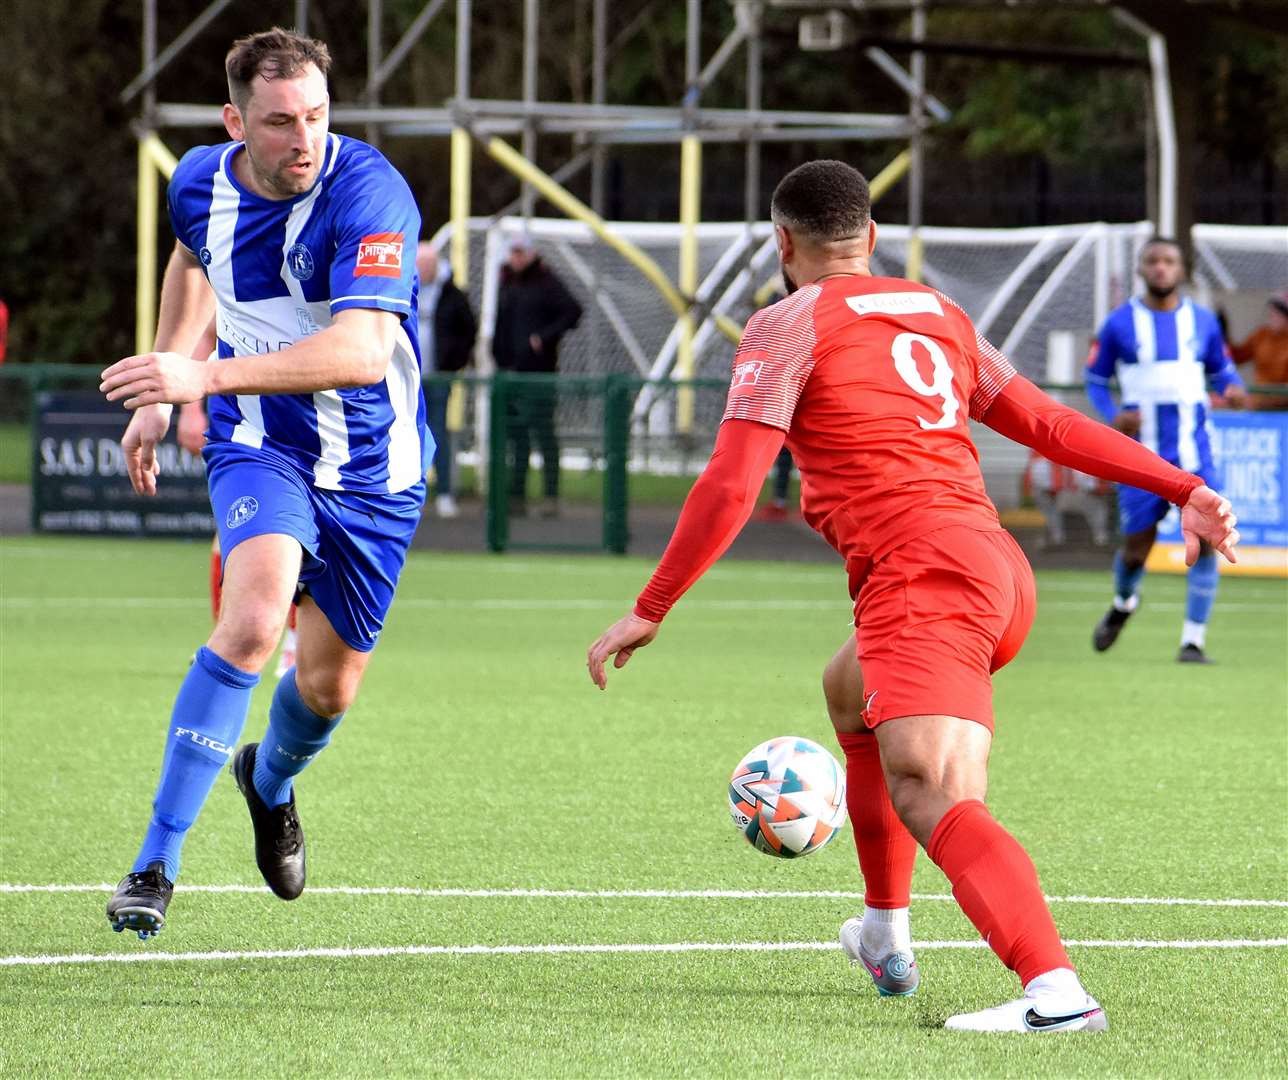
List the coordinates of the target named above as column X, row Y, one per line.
column 279, row 748
column 203, row 740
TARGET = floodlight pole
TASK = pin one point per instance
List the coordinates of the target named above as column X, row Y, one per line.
column 145, row 268
column 1163, row 196
column 531, row 27
column 916, row 171
column 598, row 95
column 302, row 16
column 375, row 9
column 461, row 150
column 751, row 11
column 690, row 212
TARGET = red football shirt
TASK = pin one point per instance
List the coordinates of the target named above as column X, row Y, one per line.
column 873, row 380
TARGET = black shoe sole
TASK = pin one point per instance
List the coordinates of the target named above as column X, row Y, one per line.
column 243, row 770
column 147, row 922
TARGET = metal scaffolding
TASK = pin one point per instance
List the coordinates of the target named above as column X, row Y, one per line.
column 597, row 126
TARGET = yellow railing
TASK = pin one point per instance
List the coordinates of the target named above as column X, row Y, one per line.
column 155, row 162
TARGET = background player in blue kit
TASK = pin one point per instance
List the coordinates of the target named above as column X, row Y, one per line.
column 1165, row 351
column 301, row 243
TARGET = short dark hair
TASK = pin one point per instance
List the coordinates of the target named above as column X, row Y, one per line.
column 1157, row 239
column 822, row 201
column 274, row 54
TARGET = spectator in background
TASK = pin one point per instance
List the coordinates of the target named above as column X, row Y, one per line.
column 534, row 310
column 447, row 330
column 1058, row 489
column 1266, row 348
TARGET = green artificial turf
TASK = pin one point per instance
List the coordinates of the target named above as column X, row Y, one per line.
column 479, row 757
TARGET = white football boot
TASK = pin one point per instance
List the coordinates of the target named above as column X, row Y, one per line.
column 1033, row 1014
column 894, row 973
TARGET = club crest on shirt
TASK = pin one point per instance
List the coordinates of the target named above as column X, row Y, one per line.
column 299, row 260
column 746, row 373
column 241, row 512
column 380, row 255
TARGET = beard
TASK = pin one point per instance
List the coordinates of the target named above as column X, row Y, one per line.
column 788, row 284
column 282, row 181
column 1161, row 292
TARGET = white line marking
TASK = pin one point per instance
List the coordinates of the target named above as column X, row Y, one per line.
column 644, row 894
column 48, row 960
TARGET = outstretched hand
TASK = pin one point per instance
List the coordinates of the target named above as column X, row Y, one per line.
column 1209, row 518
column 622, row 638
column 156, row 378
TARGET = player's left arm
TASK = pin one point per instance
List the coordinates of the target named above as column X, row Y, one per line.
column 1023, row 413
column 1221, row 372
column 353, row 351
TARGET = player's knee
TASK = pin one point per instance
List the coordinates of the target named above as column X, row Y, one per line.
column 922, row 792
column 247, row 639
column 325, row 693
column 843, row 692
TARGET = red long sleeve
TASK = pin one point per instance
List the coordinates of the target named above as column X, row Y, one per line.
column 717, row 508
column 1026, row 415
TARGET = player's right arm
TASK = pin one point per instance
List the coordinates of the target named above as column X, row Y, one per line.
column 1102, row 364
column 186, row 311
column 769, row 371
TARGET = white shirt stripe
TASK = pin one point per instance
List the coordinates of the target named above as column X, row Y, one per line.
column 220, row 233
column 402, row 381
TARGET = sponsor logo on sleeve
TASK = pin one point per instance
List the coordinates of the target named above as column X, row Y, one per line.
column 746, row 373
column 380, row 255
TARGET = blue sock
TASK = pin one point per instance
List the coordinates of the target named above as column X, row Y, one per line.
column 1126, row 579
column 1200, row 588
column 295, row 736
column 208, row 717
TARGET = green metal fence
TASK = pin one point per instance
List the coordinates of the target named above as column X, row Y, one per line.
column 559, row 462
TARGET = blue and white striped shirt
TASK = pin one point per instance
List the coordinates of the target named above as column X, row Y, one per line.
column 1163, row 361
column 281, row 269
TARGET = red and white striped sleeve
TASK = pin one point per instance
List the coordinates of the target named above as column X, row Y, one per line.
column 773, row 361
column 993, row 370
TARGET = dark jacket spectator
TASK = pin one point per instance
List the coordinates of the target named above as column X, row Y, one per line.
column 455, row 329
column 532, row 302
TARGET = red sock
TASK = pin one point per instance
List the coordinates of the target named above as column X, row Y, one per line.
column 886, row 848
column 216, row 587
column 997, row 887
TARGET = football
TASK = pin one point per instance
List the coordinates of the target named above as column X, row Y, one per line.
column 787, row 797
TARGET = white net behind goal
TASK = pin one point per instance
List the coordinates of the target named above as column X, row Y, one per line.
column 1038, row 294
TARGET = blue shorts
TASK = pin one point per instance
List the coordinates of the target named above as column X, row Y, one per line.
column 354, row 544
column 1140, row 510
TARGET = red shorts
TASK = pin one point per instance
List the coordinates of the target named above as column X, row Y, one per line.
column 936, row 617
